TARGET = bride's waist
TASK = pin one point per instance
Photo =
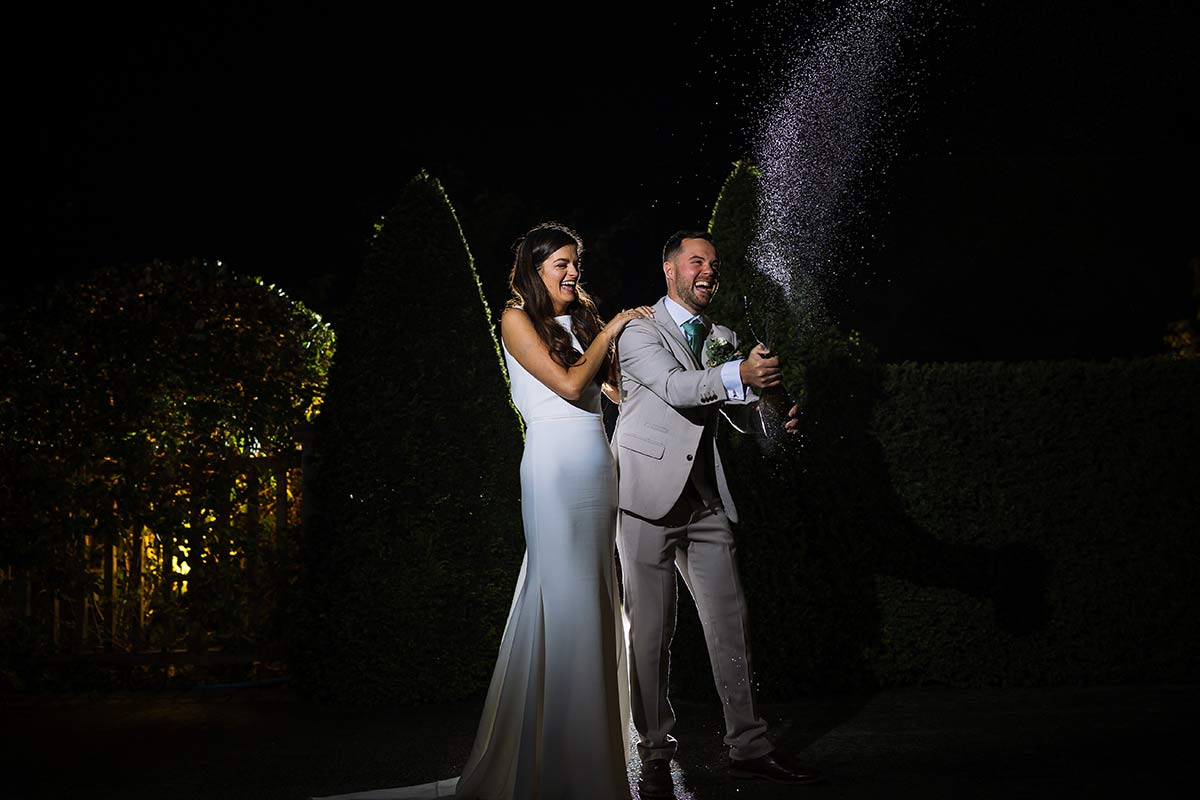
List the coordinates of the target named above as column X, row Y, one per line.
column 565, row 419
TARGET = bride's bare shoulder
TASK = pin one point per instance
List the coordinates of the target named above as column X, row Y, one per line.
column 514, row 316
column 516, row 326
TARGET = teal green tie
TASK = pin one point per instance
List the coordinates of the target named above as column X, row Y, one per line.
column 694, row 330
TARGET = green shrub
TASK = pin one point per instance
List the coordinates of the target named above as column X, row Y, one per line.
column 415, row 538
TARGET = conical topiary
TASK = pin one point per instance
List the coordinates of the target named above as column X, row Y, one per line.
column 413, row 538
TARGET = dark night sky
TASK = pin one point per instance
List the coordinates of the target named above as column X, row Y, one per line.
column 1042, row 202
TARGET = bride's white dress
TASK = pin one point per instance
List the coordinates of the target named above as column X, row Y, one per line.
column 555, row 721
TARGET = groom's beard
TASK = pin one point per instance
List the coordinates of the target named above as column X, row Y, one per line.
column 697, row 301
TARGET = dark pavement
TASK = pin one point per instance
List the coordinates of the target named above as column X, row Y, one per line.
column 263, row 743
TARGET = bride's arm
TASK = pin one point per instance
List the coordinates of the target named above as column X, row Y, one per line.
column 611, row 392
column 523, row 344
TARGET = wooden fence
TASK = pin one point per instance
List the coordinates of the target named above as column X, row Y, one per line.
column 136, row 596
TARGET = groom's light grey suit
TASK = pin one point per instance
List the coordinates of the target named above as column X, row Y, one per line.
column 675, row 513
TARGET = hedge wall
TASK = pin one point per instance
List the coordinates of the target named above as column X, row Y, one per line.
column 1078, row 481
column 980, row 524
column 414, row 539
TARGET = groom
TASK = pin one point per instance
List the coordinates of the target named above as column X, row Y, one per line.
column 675, row 509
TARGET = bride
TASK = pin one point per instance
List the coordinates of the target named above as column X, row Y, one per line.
column 554, row 723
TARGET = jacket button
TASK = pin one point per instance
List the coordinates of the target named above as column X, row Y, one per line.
column 689, row 458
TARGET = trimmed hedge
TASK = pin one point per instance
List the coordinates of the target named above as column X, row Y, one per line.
column 1085, row 468
column 981, row 524
column 414, row 539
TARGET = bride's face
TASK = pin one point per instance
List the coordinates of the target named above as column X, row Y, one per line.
column 560, row 274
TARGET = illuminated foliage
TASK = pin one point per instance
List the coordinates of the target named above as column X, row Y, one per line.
column 157, row 403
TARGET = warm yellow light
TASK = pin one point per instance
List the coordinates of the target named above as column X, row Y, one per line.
column 178, row 566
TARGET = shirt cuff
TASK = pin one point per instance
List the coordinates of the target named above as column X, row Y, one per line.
column 731, row 376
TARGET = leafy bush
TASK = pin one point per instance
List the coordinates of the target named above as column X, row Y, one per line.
column 149, row 404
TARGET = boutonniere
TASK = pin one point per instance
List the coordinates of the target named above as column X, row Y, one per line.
column 719, row 351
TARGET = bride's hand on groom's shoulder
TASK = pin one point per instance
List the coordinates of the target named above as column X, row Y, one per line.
column 623, row 318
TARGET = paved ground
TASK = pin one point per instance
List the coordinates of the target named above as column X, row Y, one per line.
column 929, row 743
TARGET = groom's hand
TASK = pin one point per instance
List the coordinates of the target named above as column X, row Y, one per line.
column 793, row 421
column 760, row 369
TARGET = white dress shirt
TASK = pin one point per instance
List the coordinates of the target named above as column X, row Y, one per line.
column 731, row 374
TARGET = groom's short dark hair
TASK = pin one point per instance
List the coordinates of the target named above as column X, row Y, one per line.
column 675, row 243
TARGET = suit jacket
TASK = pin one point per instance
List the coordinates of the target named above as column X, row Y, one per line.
column 669, row 409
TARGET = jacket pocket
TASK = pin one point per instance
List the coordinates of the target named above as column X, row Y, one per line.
column 637, row 444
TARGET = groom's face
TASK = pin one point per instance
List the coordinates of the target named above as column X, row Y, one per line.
column 692, row 275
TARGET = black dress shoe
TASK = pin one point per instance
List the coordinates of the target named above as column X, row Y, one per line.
column 768, row 768
column 655, row 779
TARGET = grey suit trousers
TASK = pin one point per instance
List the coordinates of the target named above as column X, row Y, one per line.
column 696, row 539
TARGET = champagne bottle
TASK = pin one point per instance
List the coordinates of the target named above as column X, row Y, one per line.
column 776, row 400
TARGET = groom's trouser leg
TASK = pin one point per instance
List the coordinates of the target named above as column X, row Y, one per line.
column 707, row 561
column 699, row 542
column 647, row 549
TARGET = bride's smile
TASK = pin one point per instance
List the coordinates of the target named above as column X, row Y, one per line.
column 560, row 274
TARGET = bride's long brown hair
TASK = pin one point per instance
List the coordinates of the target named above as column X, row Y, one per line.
column 528, row 292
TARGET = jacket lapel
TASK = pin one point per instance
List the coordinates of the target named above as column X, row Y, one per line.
column 663, row 317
